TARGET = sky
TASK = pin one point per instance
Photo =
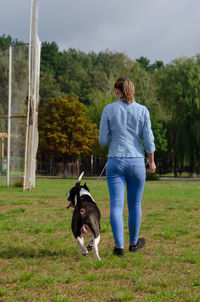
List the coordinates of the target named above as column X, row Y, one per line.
column 156, row 29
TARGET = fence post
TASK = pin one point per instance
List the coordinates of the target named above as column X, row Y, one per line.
column 9, row 115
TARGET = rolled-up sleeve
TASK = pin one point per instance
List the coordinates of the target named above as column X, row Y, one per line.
column 104, row 131
column 147, row 134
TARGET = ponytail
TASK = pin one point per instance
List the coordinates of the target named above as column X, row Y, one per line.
column 127, row 89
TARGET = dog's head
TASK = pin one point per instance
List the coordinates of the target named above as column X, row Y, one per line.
column 72, row 195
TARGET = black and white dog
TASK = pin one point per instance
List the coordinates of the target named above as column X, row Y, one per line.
column 86, row 217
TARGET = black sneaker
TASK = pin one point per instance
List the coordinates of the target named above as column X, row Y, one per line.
column 118, row 251
column 139, row 245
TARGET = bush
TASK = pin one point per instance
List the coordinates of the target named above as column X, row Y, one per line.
column 150, row 176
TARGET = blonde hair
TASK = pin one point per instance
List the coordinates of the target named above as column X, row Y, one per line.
column 126, row 87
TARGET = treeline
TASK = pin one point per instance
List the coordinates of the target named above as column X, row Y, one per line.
column 75, row 87
column 91, row 77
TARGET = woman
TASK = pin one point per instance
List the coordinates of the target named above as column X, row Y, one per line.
column 123, row 124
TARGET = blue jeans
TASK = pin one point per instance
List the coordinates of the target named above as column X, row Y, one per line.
column 121, row 170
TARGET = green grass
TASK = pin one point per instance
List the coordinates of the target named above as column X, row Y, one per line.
column 40, row 259
column 183, row 175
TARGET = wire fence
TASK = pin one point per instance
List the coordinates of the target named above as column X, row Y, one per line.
column 91, row 167
column 13, row 69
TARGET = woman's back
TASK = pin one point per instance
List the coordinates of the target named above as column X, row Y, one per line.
column 123, row 125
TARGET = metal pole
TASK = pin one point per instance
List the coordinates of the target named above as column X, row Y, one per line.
column 9, row 114
column 2, row 154
column 31, row 132
column 34, row 73
column 26, row 161
column 33, row 53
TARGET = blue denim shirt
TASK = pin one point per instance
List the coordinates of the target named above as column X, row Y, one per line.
column 123, row 126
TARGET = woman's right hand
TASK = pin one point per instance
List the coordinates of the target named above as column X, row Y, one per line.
column 152, row 167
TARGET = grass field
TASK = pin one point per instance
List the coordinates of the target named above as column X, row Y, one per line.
column 40, row 259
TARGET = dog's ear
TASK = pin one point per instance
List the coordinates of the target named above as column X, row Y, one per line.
column 86, row 187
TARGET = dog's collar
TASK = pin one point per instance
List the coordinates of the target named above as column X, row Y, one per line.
column 85, row 192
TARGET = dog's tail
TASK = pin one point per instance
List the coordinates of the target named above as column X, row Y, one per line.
column 78, row 188
column 80, row 177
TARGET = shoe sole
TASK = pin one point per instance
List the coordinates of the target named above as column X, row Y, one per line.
column 135, row 249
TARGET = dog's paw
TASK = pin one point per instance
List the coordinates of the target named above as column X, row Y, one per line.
column 89, row 247
column 97, row 257
column 84, row 251
column 84, row 254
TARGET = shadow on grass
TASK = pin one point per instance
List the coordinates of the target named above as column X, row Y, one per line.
column 25, row 252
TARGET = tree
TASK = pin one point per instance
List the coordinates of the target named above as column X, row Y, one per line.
column 5, row 41
column 49, row 88
column 74, row 77
column 179, row 91
column 115, row 65
column 157, row 65
column 144, row 89
column 65, row 131
column 50, row 58
column 161, row 142
column 145, row 64
column 4, row 59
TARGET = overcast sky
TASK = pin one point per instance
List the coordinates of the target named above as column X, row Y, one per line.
column 157, row 29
